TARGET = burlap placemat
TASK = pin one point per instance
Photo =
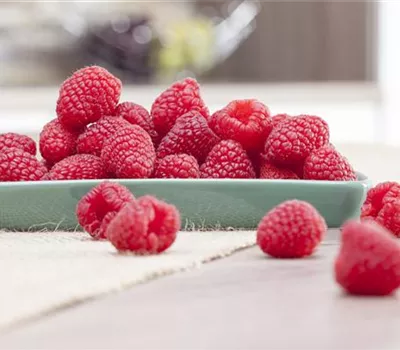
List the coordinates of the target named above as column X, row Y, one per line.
column 43, row 272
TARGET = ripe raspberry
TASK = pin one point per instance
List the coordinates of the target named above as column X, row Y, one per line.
column 270, row 171
column 227, row 159
column 129, row 153
column 389, row 217
column 56, row 142
column 326, row 163
column 89, row 94
column 177, row 166
column 379, row 195
column 146, row 226
column 18, row 165
column 293, row 229
column 369, row 260
column 190, row 135
column 180, row 98
column 138, row 115
column 279, row 118
column 78, row 167
column 46, row 164
column 92, row 139
column 292, row 140
column 13, row 140
column 99, row 206
column 245, row 121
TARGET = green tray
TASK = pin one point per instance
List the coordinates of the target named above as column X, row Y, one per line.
column 204, row 203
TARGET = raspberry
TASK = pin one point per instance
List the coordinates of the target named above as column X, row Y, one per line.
column 129, row 153
column 293, row 229
column 180, row 98
column 389, row 217
column 270, row 171
column 227, row 159
column 99, row 206
column 138, row 115
column 18, row 165
column 56, row 142
column 23, row 142
column 279, row 118
column 378, row 196
column 46, row 164
column 292, row 140
column 146, row 226
column 326, row 163
column 245, row 121
column 89, row 94
column 368, row 262
column 77, row 167
column 91, row 141
column 190, row 135
column 177, row 166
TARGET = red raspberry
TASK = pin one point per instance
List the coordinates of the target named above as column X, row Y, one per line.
column 293, row 229
column 56, row 142
column 77, row 167
column 369, row 260
column 245, row 121
column 18, row 165
column 147, row 226
column 138, row 115
column 326, row 163
column 270, row 171
column 129, row 153
column 12, row 140
column 378, row 196
column 99, row 206
column 227, row 159
column 180, row 98
column 292, row 140
column 190, row 135
column 279, row 118
column 177, row 166
column 389, row 216
column 46, row 164
column 89, row 94
column 92, row 139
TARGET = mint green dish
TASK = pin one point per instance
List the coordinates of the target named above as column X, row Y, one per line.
column 202, row 203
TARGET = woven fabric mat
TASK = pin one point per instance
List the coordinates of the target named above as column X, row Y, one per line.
column 44, row 272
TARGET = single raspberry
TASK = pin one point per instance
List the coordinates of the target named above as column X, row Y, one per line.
column 129, row 153
column 279, row 118
column 227, row 159
column 57, row 142
column 369, row 260
column 99, row 206
column 89, row 94
column 138, row 115
column 13, row 140
column 190, row 135
column 326, row 163
column 293, row 229
column 379, row 195
column 177, row 166
column 92, row 139
column 245, row 121
column 146, row 226
column 18, row 165
column 180, row 98
column 292, row 140
column 78, row 167
column 270, row 171
column 389, row 217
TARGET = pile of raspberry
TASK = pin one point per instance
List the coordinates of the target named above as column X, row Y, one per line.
column 95, row 136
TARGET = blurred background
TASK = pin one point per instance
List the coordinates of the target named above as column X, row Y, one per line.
column 332, row 58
